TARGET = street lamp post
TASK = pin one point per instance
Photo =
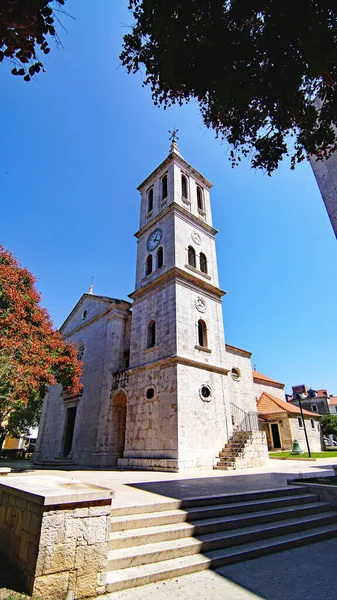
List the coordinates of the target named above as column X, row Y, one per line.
column 300, row 398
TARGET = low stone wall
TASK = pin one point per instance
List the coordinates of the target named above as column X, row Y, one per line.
column 255, row 452
column 54, row 532
column 327, row 493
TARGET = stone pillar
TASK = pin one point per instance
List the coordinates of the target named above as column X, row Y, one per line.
column 54, row 532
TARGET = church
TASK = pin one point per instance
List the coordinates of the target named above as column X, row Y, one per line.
column 161, row 388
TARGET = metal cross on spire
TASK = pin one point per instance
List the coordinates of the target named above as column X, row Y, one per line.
column 173, row 138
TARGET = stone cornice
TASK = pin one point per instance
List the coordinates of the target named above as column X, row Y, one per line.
column 173, row 156
column 179, row 360
column 175, row 273
column 185, row 214
column 97, row 318
column 236, row 350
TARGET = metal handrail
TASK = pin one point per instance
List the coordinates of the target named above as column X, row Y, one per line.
column 244, row 421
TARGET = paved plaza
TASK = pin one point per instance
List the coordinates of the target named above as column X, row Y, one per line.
column 306, row 573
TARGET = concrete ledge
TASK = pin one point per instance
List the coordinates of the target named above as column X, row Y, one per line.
column 54, row 532
column 327, row 493
column 4, row 471
column 52, row 490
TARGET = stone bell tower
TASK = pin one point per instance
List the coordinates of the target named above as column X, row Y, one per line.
column 177, row 413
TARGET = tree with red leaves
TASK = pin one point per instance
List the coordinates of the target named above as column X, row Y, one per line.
column 33, row 355
column 24, row 26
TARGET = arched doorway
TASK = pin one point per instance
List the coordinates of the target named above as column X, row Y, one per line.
column 119, row 421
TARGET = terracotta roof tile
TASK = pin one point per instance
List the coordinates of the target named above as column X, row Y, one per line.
column 333, row 401
column 269, row 405
column 260, row 376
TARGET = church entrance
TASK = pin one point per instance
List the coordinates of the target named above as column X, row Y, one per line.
column 119, row 421
column 69, row 430
column 275, row 434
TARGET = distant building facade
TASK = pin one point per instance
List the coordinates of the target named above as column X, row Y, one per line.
column 316, row 401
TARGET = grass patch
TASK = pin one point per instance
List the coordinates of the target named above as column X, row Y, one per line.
column 327, row 454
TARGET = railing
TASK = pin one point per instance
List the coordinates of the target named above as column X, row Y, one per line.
column 119, row 379
column 244, row 421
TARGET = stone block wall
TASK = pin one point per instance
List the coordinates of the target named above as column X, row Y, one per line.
column 314, row 434
column 240, row 392
column 57, row 541
column 255, row 453
column 204, row 425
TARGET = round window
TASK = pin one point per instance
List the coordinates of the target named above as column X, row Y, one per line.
column 205, row 392
column 235, row 373
column 150, row 393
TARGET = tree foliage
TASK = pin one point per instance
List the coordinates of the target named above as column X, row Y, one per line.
column 32, row 354
column 24, row 26
column 263, row 71
column 329, row 425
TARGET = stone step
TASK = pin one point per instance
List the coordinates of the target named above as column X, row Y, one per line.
column 133, row 537
column 225, row 467
column 147, row 519
column 207, row 501
column 148, row 535
column 226, row 453
column 149, row 573
column 204, row 526
column 211, row 523
column 236, row 508
column 55, row 463
column 166, row 550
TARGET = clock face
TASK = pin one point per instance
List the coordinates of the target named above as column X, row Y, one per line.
column 196, row 237
column 154, row 239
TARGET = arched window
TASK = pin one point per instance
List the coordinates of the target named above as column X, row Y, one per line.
column 164, row 187
column 150, row 200
column 151, row 334
column 202, row 333
column 148, row 265
column 160, row 258
column 184, row 187
column 199, row 198
column 203, row 262
column 191, row 256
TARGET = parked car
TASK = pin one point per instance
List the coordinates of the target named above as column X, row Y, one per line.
column 328, row 443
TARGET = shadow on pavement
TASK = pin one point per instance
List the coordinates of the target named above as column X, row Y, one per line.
column 182, row 489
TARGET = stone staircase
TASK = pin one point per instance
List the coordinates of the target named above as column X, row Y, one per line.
column 160, row 541
column 233, row 450
column 247, row 447
column 58, row 462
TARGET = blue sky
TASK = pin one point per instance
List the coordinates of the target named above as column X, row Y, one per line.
column 78, row 140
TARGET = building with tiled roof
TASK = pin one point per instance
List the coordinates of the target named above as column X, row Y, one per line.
column 284, row 423
column 263, row 383
column 333, row 405
column 316, row 401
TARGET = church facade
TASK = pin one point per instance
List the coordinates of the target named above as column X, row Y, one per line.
column 161, row 388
